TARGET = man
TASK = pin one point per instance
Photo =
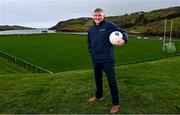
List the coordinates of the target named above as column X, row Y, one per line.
column 102, row 53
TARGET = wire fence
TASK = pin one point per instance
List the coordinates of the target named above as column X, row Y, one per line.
column 24, row 64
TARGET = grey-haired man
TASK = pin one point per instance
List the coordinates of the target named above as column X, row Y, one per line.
column 102, row 54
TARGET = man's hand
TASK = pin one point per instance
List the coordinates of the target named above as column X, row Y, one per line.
column 120, row 42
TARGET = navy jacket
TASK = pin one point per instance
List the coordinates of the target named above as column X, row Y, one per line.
column 99, row 46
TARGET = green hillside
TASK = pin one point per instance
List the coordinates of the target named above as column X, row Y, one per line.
column 157, row 28
column 9, row 68
column 146, row 23
column 14, row 27
column 151, row 87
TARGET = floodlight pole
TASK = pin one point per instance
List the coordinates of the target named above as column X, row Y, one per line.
column 171, row 30
column 164, row 33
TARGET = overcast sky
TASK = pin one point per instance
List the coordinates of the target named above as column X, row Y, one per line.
column 47, row 13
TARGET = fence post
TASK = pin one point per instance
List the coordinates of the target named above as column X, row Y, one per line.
column 33, row 69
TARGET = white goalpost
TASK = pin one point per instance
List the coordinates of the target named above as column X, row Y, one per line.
column 169, row 46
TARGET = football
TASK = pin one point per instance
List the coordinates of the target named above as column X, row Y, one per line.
column 115, row 37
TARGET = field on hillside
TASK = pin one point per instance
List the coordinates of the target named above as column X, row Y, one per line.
column 62, row 52
column 151, row 87
column 9, row 68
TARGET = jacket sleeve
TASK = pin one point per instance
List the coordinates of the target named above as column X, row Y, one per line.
column 125, row 35
column 89, row 43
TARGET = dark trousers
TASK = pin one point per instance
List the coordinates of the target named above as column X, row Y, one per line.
column 108, row 68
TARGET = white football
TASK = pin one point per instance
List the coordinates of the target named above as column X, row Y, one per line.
column 115, row 36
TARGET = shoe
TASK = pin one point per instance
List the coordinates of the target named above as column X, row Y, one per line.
column 94, row 100
column 114, row 109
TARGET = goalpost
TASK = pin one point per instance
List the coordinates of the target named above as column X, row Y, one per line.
column 169, row 46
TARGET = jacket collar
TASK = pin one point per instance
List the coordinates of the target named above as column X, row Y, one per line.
column 101, row 23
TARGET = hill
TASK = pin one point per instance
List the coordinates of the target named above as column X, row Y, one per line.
column 14, row 27
column 146, row 23
column 151, row 87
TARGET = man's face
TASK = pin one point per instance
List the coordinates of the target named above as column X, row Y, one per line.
column 98, row 17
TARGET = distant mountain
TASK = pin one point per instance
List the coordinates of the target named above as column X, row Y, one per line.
column 14, row 27
column 146, row 23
